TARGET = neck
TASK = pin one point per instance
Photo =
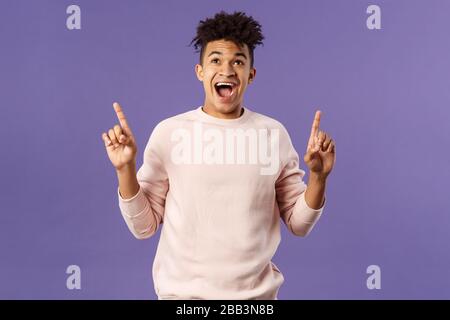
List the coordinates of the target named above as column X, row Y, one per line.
column 236, row 113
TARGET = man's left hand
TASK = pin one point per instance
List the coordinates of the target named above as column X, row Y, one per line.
column 321, row 151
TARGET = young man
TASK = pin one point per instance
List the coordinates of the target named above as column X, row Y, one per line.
column 220, row 177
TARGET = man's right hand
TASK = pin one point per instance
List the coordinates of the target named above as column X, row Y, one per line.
column 120, row 143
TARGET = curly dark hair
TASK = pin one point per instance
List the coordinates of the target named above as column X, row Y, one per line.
column 236, row 27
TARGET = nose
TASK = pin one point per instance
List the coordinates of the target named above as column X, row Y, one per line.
column 227, row 70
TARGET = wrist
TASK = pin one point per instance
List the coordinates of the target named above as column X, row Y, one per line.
column 126, row 168
column 317, row 177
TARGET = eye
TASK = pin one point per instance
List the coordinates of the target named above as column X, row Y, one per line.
column 240, row 62
column 214, row 60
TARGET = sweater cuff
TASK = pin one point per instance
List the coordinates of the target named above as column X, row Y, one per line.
column 302, row 206
column 133, row 206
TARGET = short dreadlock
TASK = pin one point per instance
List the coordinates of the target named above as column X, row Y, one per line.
column 236, row 27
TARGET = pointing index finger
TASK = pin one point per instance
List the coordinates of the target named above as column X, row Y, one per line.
column 315, row 128
column 121, row 116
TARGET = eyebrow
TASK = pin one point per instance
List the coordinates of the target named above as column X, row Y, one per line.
column 237, row 54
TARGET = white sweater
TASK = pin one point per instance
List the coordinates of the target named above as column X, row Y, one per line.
column 218, row 188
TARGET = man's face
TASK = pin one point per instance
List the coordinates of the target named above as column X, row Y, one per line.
column 225, row 74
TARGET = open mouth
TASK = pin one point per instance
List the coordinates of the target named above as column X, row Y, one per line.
column 225, row 89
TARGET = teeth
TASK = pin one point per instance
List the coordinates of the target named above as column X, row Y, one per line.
column 225, row 84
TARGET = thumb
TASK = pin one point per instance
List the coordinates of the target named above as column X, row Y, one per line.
column 123, row 139
column 310, row 153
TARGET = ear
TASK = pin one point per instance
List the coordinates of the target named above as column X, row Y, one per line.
column 252, row 75
column 199, row 72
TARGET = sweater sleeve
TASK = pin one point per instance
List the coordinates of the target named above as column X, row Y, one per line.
column 290, row 190
column 144, row 212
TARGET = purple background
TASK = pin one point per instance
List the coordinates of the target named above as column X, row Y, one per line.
column 385, row 100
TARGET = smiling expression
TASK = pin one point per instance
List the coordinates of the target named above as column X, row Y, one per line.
column 225, row 72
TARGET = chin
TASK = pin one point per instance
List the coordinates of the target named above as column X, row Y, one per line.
column 226, row 108
column 223, row 107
